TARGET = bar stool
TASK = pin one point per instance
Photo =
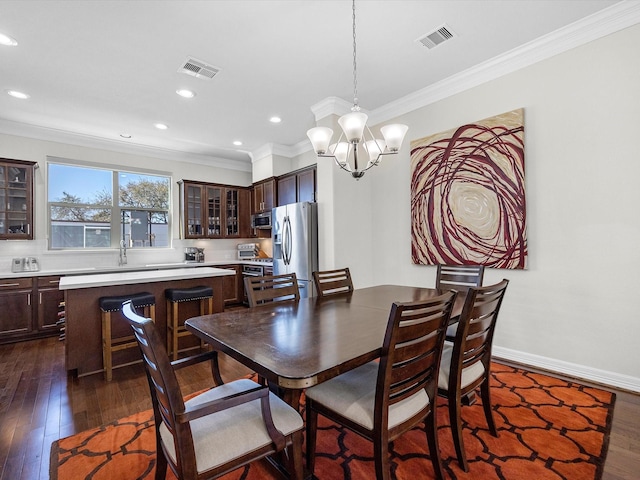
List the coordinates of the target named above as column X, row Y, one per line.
column 174, row 297
column 114, row 304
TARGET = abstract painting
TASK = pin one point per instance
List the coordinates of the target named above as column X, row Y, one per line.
column 468, row 197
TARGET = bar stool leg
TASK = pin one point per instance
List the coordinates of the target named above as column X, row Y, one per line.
column 169, row 333
column 106, row 345
column 176, row 337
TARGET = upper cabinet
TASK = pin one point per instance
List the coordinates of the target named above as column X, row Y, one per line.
column 16, row 199
column 286, row 189
column 306, row 185
column 214, row 211
column 264, row 195
column 298, row 186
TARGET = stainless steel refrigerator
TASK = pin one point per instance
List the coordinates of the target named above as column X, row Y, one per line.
column 294, row 233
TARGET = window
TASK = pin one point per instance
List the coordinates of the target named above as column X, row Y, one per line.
column 94, row 208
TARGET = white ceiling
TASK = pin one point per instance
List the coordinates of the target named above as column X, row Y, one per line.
column 102, row 68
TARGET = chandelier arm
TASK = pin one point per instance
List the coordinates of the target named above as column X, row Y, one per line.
column 364, row 143
column 355, row 131
column 346, row 167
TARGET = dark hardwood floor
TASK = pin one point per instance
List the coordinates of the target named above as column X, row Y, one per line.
column 40, row 403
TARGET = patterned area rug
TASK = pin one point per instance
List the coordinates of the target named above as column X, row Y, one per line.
column 548, row 429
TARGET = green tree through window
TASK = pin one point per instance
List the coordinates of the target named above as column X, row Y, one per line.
column 82, row 213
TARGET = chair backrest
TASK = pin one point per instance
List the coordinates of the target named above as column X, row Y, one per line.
column 166, row 396
column 332, row 282
column 411, row 352
column 474, row 337
column 459, row 277
column 271, row 288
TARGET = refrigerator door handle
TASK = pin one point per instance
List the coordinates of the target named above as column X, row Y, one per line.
column 286, row 241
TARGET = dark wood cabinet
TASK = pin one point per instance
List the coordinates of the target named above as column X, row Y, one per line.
column 306, row 185
column 16, row 303
column 33, row 304
column 16, row 199
column 264, row 195
column 298, row 186
column 231, row 285
column 287, row 189
column 49, row 299
column 215, row 211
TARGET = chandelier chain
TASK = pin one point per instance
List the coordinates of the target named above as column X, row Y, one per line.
column 355, row 70
column 360, row 150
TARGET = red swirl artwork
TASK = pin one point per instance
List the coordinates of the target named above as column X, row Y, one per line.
column 468, row 197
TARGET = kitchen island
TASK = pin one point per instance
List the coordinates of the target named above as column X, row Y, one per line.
column 83, row 327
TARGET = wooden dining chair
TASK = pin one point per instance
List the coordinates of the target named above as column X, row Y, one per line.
column 459, row 278
column 466, row 362
column 333, row 282
column 218, row 430
column 382, row 400
column 271, row 288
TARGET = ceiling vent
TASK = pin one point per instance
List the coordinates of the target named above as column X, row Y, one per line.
column 435, row 38
column 198, row 69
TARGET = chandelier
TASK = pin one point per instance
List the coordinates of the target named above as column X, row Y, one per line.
column 358, row 139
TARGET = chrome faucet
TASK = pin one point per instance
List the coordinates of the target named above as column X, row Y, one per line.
column 122, row 259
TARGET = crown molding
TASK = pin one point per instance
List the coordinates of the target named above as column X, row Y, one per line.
column 330, row 106
column 88, row 141
column 288, row 151
column 609, row 20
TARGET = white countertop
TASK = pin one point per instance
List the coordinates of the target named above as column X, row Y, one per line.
column 128, row 268
column 146, row 276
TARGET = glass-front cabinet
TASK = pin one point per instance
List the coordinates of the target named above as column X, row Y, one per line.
column 193, row 211
column 215, row 211
column 232, row 211
column 16, row 199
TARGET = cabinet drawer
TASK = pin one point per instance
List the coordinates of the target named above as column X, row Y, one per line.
column 48, row 281
column 16, row 283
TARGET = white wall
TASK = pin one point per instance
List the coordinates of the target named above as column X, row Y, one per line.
column 573, row 308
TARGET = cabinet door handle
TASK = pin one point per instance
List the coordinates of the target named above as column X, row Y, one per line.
column 9, row 284
column 29, row 299
column 39, row 298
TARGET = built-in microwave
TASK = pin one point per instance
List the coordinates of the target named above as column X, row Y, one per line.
column 261, row 220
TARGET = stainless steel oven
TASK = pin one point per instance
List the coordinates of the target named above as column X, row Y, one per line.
column 250, row 271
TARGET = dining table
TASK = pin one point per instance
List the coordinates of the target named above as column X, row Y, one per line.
column 294, row 345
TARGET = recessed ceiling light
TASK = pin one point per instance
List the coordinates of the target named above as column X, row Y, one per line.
column 237, row 143
column 160, row 126
column 125, row 135
column 186, row 93
column 7, row 40
column 17, row 94
column 275, row 119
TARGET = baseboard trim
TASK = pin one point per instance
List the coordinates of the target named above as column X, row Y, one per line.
column 603, row 377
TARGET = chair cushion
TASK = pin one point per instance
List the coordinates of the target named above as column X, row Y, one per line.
column 469, row 374
column 188, row 294
column 226, row 435
column 114, row 304
column 352, row 395
column 452, row 330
